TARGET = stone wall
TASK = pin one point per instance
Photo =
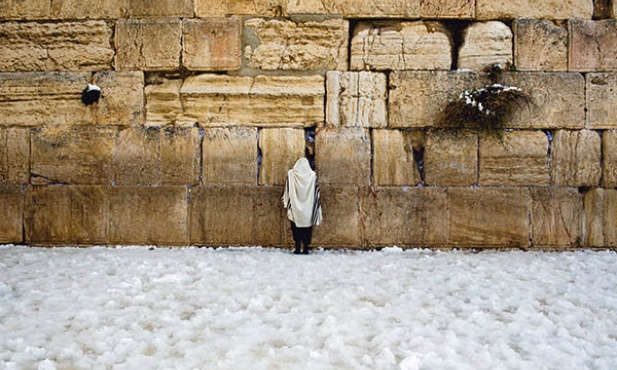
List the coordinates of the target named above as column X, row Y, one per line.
column 205, row 105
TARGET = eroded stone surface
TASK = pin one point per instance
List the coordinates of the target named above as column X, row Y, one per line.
column 451, row 158
column 393, row 159
column 593, row 45
column 357, row 8
column 549, row 9
column 540, row 45
column 600, row 218
column 341, row 220
column 230, row 156
column 343, row 156
column 447, row 8
column 14, row 155
column 163, row 104
column 557, row 217
column 485, row 44
column 222, row 8
column 19, row 9
column 89, row 9
column 11, row 217
column 609, row 159
column 280, row 148
column 601, row 100
column 122, row 98
column 576, row 158
column 356, row 99
column 212, row 44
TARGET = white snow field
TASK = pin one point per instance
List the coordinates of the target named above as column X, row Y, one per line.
column 255, row 308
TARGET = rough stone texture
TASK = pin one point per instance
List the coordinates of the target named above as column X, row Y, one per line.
column 550, row 9
column 393, row 159
column 70, row 46
column 556, row 218
column 280, row 148
column 34, row 99
column 600, row 218
column 221, row 8
column 122, row 98
column 14, row 156
column 343, row 156
column 341, row 220
column 401, row 45
column 212, row 44
column 265, row 101
column 148, row 44
column 73, row 155
column 609, row 159
column 356, row 8
column 448, row 9
column 163, row 104
column 11, row 217
column 246, row 215
column 88, row 9
column 148, row 215
column 576, row 158
column 540, row 45
column 518, row 158
column 593, row 45
column 356, row 99
column 405, row 217
column 230, row 156
column 451, row 158
column 489, row 217
column 19, row 9
column 485, row 44
column 160, row 8
column 601, row 100
column 282, row 44
column 66, row 214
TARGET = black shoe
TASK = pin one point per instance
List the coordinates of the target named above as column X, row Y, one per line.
column 297, row 250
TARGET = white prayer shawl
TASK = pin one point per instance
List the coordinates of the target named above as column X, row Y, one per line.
column 301, row 197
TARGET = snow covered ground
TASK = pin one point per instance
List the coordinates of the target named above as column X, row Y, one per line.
column 253, row 308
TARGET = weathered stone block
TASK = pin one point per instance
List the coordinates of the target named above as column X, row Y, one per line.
column 19, row 9
column 230, row 156
column 518, row 158
column 280, row 148
column 73, row 155
column 576, row 158
column 14, row 155
column 485, row 44
column 283, row 44
column 601, row 100
column 122, row 98
column 212, row 44
column 163, row 104
column 489, row 217
column 393, row 159
column 451, row 158
column 222, row 8
column 609, row 159
column 246, row 215
column 557, row 217
column 401, row 45
column 540, row 45
column 593, row 45
column 69, row 46
column 12, row 215
column 448, row 9
column 148, row 44
column 265, row 101
column 148, row 215
column 160, row 8
column 356, row 8
column 356, row 99
column 600, row 218
column 89, row 9
column 343, row 156
column 550, row 9
column 341, row 221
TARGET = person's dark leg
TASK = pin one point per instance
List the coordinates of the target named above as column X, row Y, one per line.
column 297, row 237
column 306, row 239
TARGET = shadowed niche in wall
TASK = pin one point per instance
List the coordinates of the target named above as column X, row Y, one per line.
column 90, row 94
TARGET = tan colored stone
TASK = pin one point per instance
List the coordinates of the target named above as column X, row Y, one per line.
column 148, row 215
column 73, row 155
column 212, row 44
column 284, row 44
column 601, row 100
column 356, row 99
column 518, row 158
column 356, row 8
column 19, row 9
column 600, row 218
column 122, row 98
column 448, row 9
column 280, row 148
column 70, row 46
column 343, row 156
column 160, row 8
column 14, row 155
column 148, row 44
column 341, row 220
column 393, row 159
column 489, row 217
column 230, row 156
column 451, row 158
column 540, row 45
column 609, row 159
column 244, row 215
column 11, row 217
column 576, row 158
column 549, row 9
column 89, row 9
column 401, row 45
column 593, row 45
column 265, row 101
column 222, row 8
column 557, row 217
column 485, row 44
column 163, row 104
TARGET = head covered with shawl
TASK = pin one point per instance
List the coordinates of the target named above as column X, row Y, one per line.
column 301, row 197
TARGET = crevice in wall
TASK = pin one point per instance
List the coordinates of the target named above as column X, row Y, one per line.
column 202, row 134
column 457, row 29
column 372, row 158
column 602, row 9
column 601, row 134
column 259, row 155
column 549, row 136
column 418, row 156
column 353, row 23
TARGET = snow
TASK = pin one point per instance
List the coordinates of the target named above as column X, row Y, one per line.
column 255, row 308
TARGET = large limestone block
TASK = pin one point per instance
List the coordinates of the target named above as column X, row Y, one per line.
column 73, row 155
column 356, row 8
column 609, row 159
column 341, row 218
column 449, row 9
column 230, row 156
column 557, row 217
column 89, row 9
column 485, row 44
column 19, row 9
column 148, row 215
column 518, row 158
column 549, row 9
column 279, row 148
column 576, row 158
column 451, row 158
column 405, row 217
column 601, row 99
column 148, row 44
column 343, row 156
column 265, row 101
column 600, row 218
column 160, row 8
column 212, row 44
column 163, row 104
column 12, row 215
column 401, row 45
column 122, row 98
column 593, row 45
column 236, row 215
column 283, row 44
column 222, row 8
column 14, row 155
column 393, row 159
column 34, row 99
column 66, row 215
column 356, row 99
column 540, row 45
column 489, row 217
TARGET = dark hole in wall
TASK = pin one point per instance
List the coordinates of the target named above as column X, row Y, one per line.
column 602, row 9
column 456, row 28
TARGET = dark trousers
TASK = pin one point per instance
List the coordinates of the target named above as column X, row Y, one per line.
column 302, row 235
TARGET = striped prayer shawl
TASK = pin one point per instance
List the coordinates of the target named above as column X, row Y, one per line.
column 302, row 198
